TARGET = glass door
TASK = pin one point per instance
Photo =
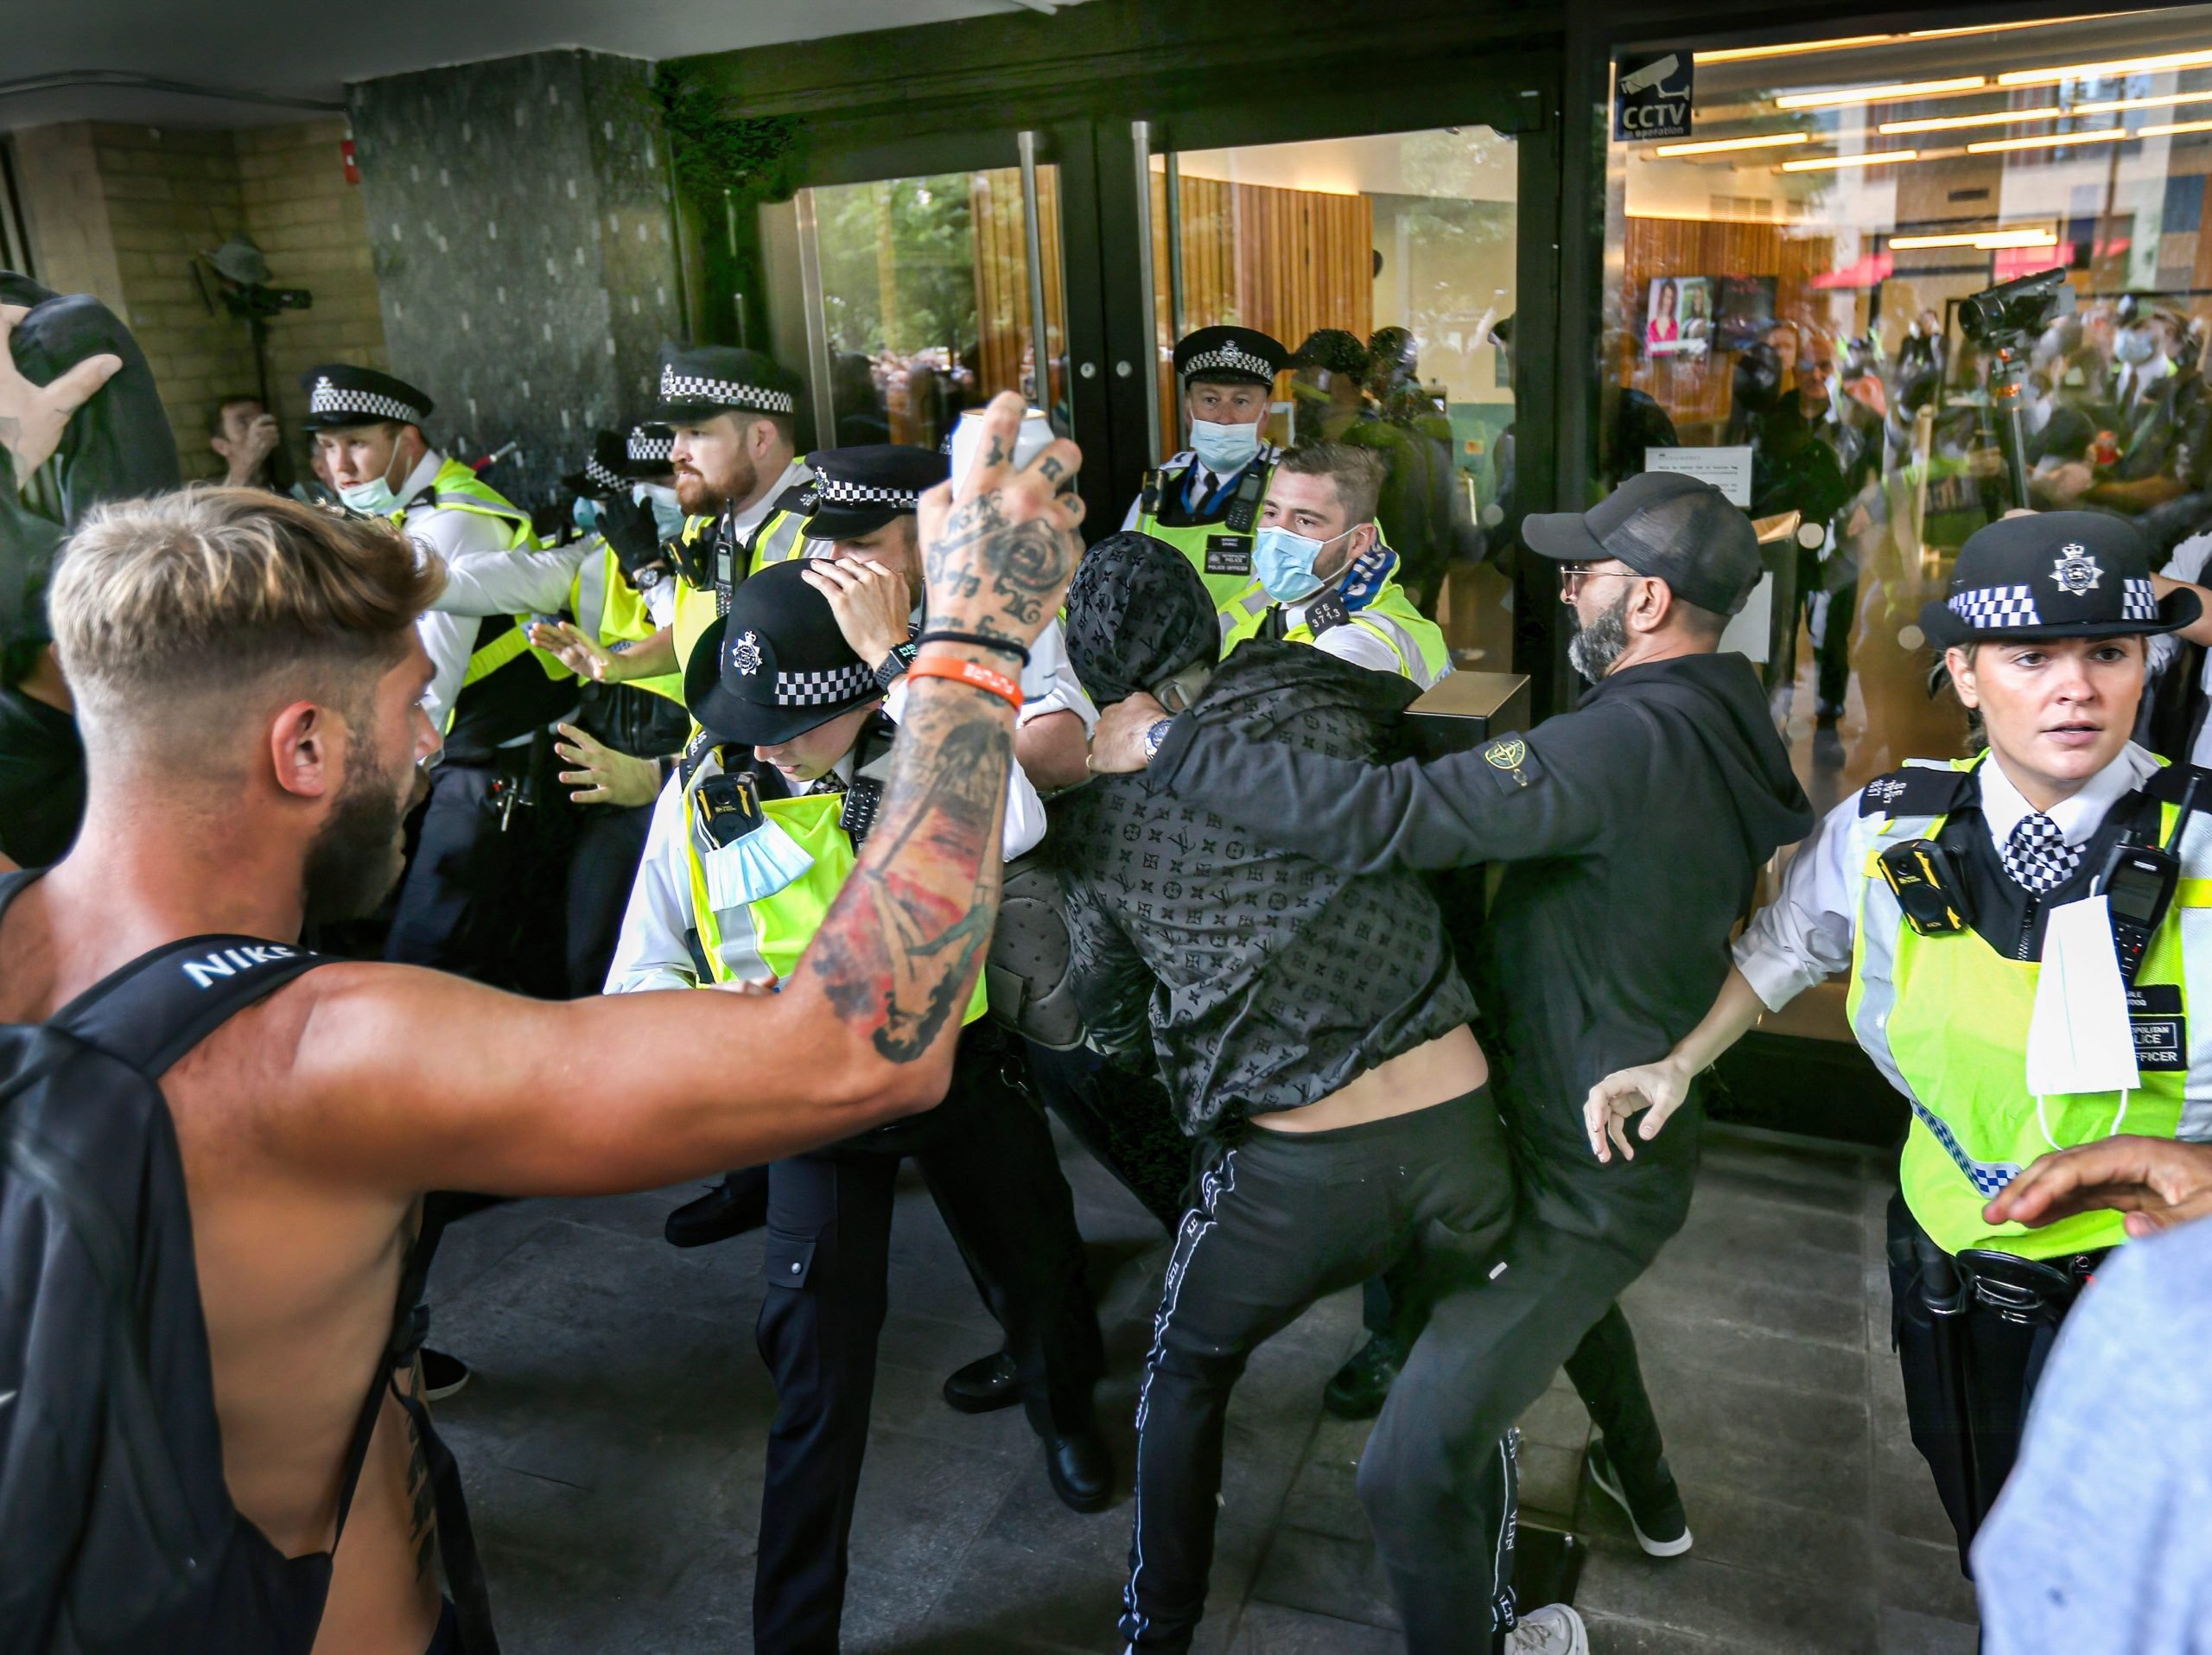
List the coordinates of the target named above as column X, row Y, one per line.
column 1389, row 263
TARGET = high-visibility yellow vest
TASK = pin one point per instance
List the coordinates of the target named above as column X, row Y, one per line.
column 500, row 639
column 773, row 931
column 776, row 538
column 1373, row 602
column 1946, row 1019
column 612, row 611
column 1222, row 556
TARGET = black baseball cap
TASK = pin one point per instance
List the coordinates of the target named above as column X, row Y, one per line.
column 776, row 665
column 2054, row 575
column 1673, row 528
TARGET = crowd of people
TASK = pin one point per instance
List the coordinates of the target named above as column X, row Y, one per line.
column 781, row 727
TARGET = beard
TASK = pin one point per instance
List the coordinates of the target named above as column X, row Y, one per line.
column 359, row 855
column 1598, row 643
column 700, row 497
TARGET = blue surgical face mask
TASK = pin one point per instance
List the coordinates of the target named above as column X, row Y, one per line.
column 668, row 516
column 2134, row 347
column 373, row 498
column 1224, row 449
column 586, row 514
column 1284, row 561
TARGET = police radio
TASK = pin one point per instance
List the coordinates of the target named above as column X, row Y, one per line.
column 1244, row 510
column 2138, row 884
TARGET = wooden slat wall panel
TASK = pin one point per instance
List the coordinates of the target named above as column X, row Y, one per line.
column 1695, row 392
column 1002, row 275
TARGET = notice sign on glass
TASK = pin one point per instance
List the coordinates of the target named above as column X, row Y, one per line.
column 1728, row 469
column 1651, row 96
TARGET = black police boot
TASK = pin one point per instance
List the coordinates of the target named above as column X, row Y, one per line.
column 1361, row 1385
column 1653, row 1504
column 985, row 1385
column 1081, row 1469
column 739, row 1203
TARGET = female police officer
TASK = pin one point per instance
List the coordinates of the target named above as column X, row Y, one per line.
column 2025, row 931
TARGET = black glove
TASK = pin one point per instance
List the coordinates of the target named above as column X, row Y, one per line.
column 629, row 527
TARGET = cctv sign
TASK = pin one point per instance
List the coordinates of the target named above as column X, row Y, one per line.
column 1651, row 96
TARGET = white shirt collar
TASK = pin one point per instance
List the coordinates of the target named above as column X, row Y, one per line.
column 419, row 479
column 2077, row 817
column 750, row 518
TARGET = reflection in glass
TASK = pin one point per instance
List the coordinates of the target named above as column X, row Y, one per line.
column 926, row 300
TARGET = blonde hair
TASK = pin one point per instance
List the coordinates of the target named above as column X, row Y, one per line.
column 160, row 601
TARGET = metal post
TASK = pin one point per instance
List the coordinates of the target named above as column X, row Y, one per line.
column 1175, row 327
column 1140, row 142
column 818, row 322
column 1040, row 334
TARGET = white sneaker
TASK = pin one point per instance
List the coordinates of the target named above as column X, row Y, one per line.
column 1552, row 1630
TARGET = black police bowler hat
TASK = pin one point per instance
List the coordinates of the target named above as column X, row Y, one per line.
column 697, row 383
column 602, row 473
column 648, row 452
column 2054, row 575
column 1231, row 355
column 776, row 665
column 340, row 394
column 1677, row 528
column 857, row 491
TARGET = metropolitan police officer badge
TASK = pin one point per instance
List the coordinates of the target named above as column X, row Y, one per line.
column 2075, row 573
column 745, row 653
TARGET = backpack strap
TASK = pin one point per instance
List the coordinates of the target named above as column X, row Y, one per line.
column 152, row 1011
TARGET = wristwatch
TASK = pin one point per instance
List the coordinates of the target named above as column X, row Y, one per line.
column 892, row 667
column 1154, row 735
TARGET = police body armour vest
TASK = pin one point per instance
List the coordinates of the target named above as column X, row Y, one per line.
column 1946, row 1019
column 1368, row 597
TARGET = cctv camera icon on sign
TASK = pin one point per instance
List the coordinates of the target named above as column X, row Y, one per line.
column 1653, row 74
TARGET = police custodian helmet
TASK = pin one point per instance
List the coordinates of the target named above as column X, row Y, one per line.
column 776, row 665
column 2054, row 575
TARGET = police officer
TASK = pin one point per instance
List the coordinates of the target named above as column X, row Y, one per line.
column 1204, row 500
column 492, row 696
column 628, row 727
column 2016, row 1016
column 1322, row 575
column 733, row 416
column 750, row 843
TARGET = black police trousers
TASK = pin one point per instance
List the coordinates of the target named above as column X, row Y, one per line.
column 987, row 1155
column 1282, row 1219
column 472, row 902
column 602, row 867
column 1969, row 1377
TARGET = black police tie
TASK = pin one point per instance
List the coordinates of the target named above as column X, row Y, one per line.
column 2037, row 856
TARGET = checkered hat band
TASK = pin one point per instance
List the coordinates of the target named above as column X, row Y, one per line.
column 823, row 689
column 1994, row 609
column 1987, row 1177
column 327, row 399
column 598, row 474
column 835, row 493
column 651, row 448
column 693, row 387
column 1239, row 361
column 2138, row 600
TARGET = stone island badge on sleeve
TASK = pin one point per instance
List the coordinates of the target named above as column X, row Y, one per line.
column 1508, row 755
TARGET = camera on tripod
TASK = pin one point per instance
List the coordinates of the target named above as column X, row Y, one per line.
column 2011, row 312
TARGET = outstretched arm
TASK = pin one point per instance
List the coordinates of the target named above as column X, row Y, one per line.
column 415, row 1080
column 2155, row 1182
column 1663, row 1086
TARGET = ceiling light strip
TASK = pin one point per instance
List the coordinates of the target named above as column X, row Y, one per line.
column 1850, row 43
column 1717, row 146
column 1993, row 117
column 2107, row 70
column 1984, row 240
column 1873, row 158
column 1896, row 91
column 2057, row 141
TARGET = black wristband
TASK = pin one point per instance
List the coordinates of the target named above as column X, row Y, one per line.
column 979, row 640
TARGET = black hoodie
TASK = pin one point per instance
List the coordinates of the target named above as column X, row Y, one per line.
column 1632, row 828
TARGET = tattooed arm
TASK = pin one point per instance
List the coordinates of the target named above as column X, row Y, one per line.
column 432, row 1083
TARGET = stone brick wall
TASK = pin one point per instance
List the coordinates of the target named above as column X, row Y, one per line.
column 124, row 211
column 519, row 217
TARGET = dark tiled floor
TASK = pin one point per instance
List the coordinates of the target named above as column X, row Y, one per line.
column 613, row 1443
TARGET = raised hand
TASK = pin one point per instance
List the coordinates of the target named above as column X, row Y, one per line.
column 33, row 418
column 997, row 555
column 2156, row 1183
column 579, row 652
column 871, row 603
column 601, row 775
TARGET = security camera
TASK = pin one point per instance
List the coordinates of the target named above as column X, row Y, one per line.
column 1650, row 74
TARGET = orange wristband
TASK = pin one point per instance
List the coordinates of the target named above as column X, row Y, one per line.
column 966, row 672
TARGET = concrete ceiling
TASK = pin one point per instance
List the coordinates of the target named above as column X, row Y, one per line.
column 285, row 49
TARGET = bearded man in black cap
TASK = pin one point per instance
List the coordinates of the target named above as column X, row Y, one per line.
column 1651, row 574
column 750, row 842
column 2022, row 932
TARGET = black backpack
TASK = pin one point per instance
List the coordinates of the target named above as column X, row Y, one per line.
column 115, row 1526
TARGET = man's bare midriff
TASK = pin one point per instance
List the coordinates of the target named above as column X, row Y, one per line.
column 1449, row 1067
column 297, row 1280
